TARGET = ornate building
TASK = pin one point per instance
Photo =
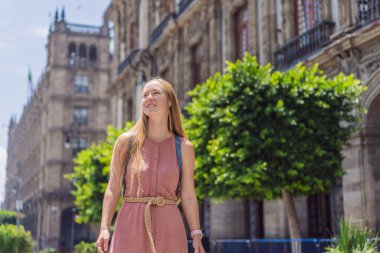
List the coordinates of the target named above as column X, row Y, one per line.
column 67, row 112
column 187, row 41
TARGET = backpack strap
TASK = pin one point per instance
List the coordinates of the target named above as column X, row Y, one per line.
column 179, row 161
column 130, row 143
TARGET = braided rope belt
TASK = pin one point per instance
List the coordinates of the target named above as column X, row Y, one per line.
column 157, row 201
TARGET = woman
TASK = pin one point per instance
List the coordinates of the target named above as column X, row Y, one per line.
column 149, row 220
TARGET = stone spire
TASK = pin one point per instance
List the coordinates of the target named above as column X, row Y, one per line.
column 63, row 14
column 56, row 16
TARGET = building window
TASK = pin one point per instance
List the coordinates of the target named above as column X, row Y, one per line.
column 92, row 53
column 308, row 15
column 81, row 115
column 130, row 109
column 72, row 52
column 79, row 144
column 133, row 36
column 82, row 51
column 81, row 84
column 111, row 46
column 72, row 49
column 319, row 215
column 241, row 32
column 197, row 63
column 311, row 13
column 169, row 5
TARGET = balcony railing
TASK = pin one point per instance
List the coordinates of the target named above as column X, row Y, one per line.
column 79, row 28
column 182, row 6
column 303, row 45
column 368, row 11
column 160, row 28
column 122, row 66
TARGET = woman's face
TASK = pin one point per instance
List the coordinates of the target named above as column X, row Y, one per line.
column 154, row 99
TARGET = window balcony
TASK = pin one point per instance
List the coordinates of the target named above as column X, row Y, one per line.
column 368, row 11
column 303, row 45
column 124, row 64
column 182, row 6
column 160, row 28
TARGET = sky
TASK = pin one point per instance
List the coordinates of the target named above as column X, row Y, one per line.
column 24, row 27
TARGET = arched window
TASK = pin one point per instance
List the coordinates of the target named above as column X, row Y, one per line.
column 72, row 49
column 92, row 53
column 82, row 51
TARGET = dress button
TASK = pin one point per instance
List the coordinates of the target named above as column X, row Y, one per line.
column 154, row 171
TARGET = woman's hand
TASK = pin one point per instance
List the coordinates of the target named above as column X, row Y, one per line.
column 103, row 242
column 197, row 244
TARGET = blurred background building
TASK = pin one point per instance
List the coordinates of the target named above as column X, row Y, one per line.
column 67, row 111
column 186, row 41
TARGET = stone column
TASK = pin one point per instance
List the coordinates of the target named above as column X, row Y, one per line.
column 358, row 195
column 288, row 29
column 214, row 41
column 335, row 14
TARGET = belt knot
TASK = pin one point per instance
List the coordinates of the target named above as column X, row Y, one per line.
column 158, row 201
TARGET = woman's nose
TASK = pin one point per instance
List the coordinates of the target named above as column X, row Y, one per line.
column 150, row 96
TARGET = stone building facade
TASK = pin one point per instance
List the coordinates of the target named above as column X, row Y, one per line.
column 66, row 113
column 185, row 41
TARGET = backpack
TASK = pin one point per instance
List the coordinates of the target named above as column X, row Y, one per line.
column 179, row 161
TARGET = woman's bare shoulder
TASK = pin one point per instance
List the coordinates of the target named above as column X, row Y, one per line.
column 186, row 145
column 125, row 137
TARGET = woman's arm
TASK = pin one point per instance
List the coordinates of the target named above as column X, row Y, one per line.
column 188, row 196
column 113, row 190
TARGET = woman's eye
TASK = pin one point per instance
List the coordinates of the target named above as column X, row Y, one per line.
column 156, row 92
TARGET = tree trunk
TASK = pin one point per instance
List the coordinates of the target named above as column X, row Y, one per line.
column 293, row 223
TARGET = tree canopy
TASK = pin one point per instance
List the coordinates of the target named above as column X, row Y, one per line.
column 90, row 176
column 257, row 131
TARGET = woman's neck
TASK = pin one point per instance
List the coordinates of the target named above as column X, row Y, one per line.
column 158, row 129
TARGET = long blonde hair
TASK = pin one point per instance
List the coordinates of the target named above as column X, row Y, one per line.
column 140, row 129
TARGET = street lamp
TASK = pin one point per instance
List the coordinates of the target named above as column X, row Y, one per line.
column 18, row 200
column 71, row 132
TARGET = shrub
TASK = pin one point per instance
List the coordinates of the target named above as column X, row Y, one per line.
column 85, row 247
column 14, row 240
column 353, row 239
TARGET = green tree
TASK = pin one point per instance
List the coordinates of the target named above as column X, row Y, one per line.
column 14, row 240
column 90, row 176
column 265, row 134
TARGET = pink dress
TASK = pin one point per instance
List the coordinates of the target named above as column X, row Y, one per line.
column 159, row 178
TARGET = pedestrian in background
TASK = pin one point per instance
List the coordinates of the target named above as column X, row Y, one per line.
column 156, row 160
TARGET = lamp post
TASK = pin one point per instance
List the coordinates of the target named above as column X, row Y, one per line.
column 18, row 200
column 70, row 132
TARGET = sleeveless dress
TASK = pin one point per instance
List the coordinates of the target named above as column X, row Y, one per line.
column 159, row 177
